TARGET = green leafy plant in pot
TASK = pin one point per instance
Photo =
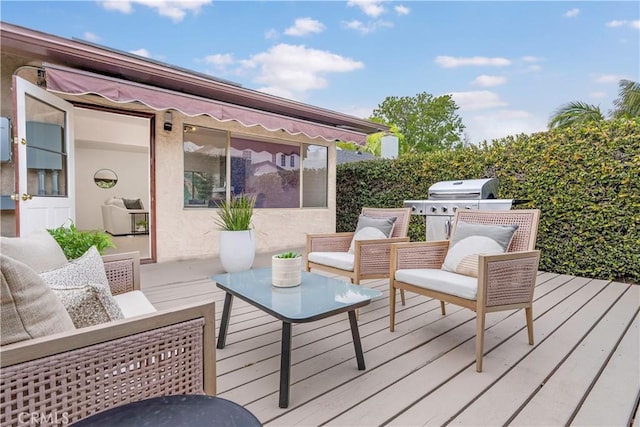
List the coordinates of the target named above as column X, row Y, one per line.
column 75, row 243
column 237, row 236
column 286, row 269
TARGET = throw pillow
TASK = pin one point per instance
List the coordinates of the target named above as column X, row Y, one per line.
column 472, row 240
column 384, row 225
column 83, row 288
column 132, row 203
column 29, row 309
column 39, row 250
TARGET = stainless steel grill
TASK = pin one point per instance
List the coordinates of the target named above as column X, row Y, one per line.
column 446, row 197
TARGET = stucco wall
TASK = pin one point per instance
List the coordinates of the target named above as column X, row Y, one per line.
column 191, row 233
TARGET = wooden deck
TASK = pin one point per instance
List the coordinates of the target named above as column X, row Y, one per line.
column 584, row 368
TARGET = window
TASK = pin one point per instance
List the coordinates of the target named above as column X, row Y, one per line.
column 292, row 161
column 314, row 176
column 273, row 185
column 205, row 159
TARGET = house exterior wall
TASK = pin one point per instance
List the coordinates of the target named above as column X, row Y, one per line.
column 190, row 233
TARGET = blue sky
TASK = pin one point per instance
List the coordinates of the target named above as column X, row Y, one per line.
column 509, row 65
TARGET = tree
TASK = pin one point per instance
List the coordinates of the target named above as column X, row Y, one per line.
column 627, row 105
column 628, row 102
column 427, row 123
column 575, row 113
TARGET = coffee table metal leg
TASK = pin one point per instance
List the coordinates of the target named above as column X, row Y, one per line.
column 285, row 365
column 356, row 339
column 224, row 322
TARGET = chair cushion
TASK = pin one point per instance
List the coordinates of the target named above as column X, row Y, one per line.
column 341, row 260
column 384, row 225
column 132, row 203
column 83, row 288
column 39, row 250
column 116, row 201
column 366, row 233
column 472, row 240
column 29, row 309
column 133, row 304
column 441, row 281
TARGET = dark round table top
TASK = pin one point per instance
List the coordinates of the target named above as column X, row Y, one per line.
column 174, row 411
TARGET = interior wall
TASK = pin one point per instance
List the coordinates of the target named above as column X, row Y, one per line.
column 118, row 142
column 132, row 169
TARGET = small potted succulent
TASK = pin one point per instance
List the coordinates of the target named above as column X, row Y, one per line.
column 286, row 269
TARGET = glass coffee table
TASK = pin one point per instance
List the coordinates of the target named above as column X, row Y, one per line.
column 316, row 298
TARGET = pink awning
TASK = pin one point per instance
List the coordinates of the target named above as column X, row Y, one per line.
column 76, row 82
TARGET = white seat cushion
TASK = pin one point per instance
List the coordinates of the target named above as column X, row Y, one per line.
column 441, row 281
column 133, row 304
column 341, row 260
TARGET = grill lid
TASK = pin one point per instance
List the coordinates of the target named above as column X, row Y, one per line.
column 473, row 189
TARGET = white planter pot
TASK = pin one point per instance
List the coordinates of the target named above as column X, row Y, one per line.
column 237, row 250
column 286, row 272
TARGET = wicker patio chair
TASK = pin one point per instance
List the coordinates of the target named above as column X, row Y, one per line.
column 370, row 259
column 505, row 281
column 64, row 377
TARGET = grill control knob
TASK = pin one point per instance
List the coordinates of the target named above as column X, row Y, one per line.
column 444, row 209
column 455, row 208
column 434, row 209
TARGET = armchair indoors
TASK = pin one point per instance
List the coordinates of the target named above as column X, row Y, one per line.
column 457, row 272
column 119, row 216
column 368, row 258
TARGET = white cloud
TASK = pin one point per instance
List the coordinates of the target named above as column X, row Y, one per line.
column 535, row 67
column 452, row 62
column 598, row 95
column 220, row 60
column 368, row 27
column 176, row 9
column 608, row 78
column 530, row 58
column 368, row 7
column 304, row 26
column 502, row 123
column 141, row 52
column 271, row 34
column 292, row 70
column 615, row 23
column 572, row 13
column 402, row 10
column 489, row 81
column 477, row 100
column 635, row 24
column 118, row 6
column 92, row 37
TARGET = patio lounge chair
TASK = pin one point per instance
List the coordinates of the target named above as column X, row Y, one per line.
column 64, row 377
column 369, row 258
column 504, row 281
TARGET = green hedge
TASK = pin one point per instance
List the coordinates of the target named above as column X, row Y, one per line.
column 586, row 182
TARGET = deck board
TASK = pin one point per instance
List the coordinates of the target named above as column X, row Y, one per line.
column 586, row 349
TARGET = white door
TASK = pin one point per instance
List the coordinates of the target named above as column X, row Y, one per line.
column 46, row 193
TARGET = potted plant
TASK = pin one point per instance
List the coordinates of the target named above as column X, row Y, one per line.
column 75, row 243
column 237, row 236
column 286, row 269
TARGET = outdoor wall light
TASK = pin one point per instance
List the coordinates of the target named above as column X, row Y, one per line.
column 168, row 125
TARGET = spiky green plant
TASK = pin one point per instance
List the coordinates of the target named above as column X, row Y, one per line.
column 236, row 215
column 288, row 255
